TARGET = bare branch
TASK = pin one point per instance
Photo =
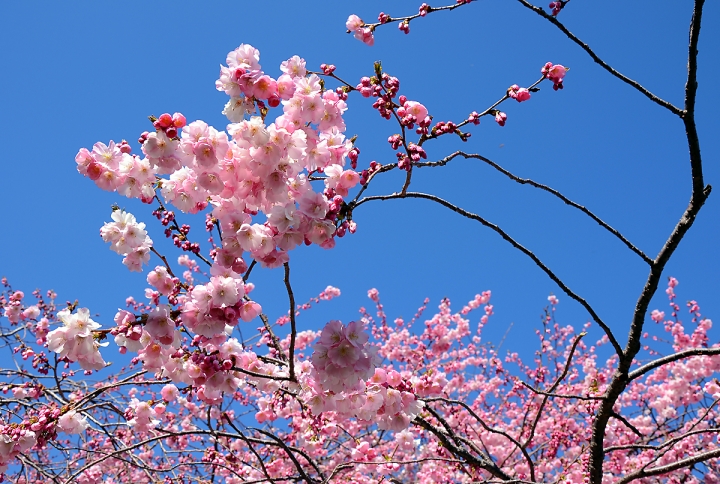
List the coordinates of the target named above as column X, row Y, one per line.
column 528, row 181
column 661, row 102
column 655, row 471
column 293, row 327
column 690, row 96
column 670, row 358
column 514, row 243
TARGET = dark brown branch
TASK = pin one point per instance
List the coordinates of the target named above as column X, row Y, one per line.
column 512, row 242
column 293, row 327
column 690, row 96
column 289, row 451
column 529, row 461
column 668, row 443
column 670, row 358
column 661, row 102
column 620, row 380
column 481, row 462
column 655, row 471
column 558, row 395
column 625, row 421
column 552, row 191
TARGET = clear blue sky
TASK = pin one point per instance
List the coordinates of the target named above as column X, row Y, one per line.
column 79, row 72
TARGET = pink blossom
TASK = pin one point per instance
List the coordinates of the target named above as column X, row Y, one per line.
column 354, row 23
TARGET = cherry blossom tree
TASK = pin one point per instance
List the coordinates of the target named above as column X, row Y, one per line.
column 170, row 391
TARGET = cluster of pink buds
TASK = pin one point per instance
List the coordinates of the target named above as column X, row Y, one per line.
column 395, row 141
column 500, row 118
column 404, row 26
column 557, row 6
column 444, row 128
column 365, row 174
column 424, row 9
column 164, row 216
column 353, row 156
column 170, row 124
column 384, row 18
column 124, row 147
column 556, row 73
column 346, row 226
column 416, row 153
column 474, row 118
column 518, row 93
column 44, row 423
column 327, row 69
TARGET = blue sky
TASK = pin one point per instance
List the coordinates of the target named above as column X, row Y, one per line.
column 76, row 73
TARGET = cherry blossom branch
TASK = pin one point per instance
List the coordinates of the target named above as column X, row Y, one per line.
column 289, row 451
column 557, row 395
column 552, row 191
column 662, row 446
column 553, row 20
column 512, row 242
column 293, row 327
column 655, row 471
column 176, row 226
column 250, row 446
column 166, row 434
column 273, row 338
column 554, row 386
column 467, row 407
column 348, row 465
column 670, row 358
column 386, row 19
column 482, row 462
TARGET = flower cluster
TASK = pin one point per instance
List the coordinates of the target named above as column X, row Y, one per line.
column 518, row 93
column 112, row 168
column 14, row 440
column 75, row 340
column 342, row 358
column 141, row 416
column 554, row 72
column 128, row 237
column 364, row 34
column 211, row 307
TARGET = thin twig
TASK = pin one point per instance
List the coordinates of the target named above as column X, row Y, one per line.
column 552, row 191
column 661, row 102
